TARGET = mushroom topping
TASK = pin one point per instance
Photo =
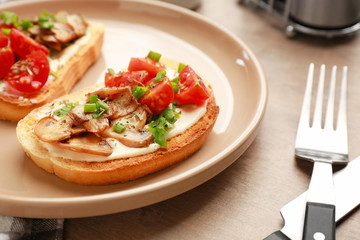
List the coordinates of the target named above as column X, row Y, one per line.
column 48, row 129
column 78, row 115
column 130, row 137
column 96, row 125
column 124, row 106
column 102, row 93
column 78, row 23
column 87, row 143
column 135, row 120
column 63, row 32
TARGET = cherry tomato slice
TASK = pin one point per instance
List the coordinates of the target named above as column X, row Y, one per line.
column 4, row 40
column 159, row 97
column 192, row 89
column 123, row 79
column 23, row 45
column 6, row 61
column 146, row 64
column 29, row 75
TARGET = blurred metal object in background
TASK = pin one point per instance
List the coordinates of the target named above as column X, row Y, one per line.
column 328, row 18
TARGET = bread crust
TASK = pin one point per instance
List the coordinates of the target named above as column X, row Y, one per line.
column 14, row 109
column 119, row 170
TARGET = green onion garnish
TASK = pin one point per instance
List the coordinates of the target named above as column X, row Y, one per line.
column 93, row 98
column 25, row 24
column 98, row 114
column 53, row 73
column 181, row 67
column 154, row 56
column 138, row 91
column 101, row 105
column 6, row 31
column 9, row 17
column 61, row 112
column 119, row 127
column 111, row 71
column 90, row 107
column 175, row 85
column 160, row 76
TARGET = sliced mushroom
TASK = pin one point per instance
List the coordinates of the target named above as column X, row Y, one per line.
column 78, row 115
column 106, row 92
column 122, row 108
column 49, row 40
column 34, row 30
column 87, row 143
column 63, row 32
column 130, row 137
column 78, row 23
column 48, row 129
column 136, row 120
column 96, row 125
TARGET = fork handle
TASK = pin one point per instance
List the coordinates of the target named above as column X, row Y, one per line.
column 319, row 221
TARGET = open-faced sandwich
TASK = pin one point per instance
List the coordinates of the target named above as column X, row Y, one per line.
column 41, row 59
column 142, row 119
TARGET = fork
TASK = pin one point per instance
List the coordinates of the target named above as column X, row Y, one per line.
column 324, row 146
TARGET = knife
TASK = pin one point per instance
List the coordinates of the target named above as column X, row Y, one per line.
column 347, row 197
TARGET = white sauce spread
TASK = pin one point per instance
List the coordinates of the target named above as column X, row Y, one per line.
column 188, row 117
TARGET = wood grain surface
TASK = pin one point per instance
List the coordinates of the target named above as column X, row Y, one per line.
column 244, row 201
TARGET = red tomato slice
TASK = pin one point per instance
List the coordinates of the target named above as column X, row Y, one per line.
column 23, row 45
column 159, row 97
column 6, row 61
column 29, row 75
column 192, row 89
column 122, row 79
column 146, row 64
column 4, row 40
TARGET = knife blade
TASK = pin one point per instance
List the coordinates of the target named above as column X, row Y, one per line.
column 347, row 197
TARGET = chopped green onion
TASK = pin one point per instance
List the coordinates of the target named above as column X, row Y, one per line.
column 90, row 107
column 111, row 71
column 25, row 24
column 154, row 56
column 93, row 98
column 6, row 31
column 138, row 91
column 119, row 127
column 160, row 76
column 47, row 14
column 181, row 67
column 102, row 105
column 174, row 84
column 97, row 114
column 9, row 17
column 53, row 73
column 62, row 112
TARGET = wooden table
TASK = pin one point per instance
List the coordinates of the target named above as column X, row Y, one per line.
column 243, row 202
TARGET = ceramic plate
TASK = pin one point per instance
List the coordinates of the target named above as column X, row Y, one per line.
column 132, row 29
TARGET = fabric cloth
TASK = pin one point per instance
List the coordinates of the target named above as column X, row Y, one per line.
column 13, row 228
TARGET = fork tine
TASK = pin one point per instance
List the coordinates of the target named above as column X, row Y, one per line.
column 305, row 109
column 329, row 119
column 319, row 99
column 341, row 124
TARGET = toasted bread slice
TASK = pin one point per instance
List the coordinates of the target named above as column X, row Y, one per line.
column 120, row 170
column 15, row 108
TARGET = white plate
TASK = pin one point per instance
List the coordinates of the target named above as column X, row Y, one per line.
column 132, row 29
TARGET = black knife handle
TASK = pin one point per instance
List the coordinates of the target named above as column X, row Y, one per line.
column 319, row 221
column 277, row 236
